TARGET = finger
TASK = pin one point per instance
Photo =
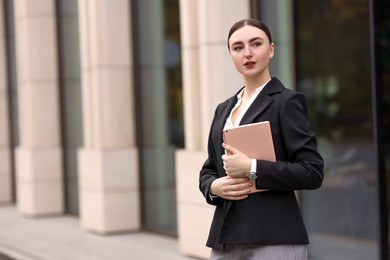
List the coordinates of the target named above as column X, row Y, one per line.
column 229, row 149
column 238, row 195
column 237, row 190
column 226, row 171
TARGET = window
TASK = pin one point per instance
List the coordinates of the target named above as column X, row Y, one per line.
column 159, row 108
column 334, row 71
column 70, row 87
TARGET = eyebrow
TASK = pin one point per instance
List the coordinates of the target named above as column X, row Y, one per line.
column 251, row 40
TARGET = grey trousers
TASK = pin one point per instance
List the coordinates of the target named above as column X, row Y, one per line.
column 274, row 252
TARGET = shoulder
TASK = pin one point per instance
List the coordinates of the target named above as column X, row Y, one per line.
column 276, row 89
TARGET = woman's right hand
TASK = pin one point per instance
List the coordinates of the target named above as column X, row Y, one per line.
column 231, row 188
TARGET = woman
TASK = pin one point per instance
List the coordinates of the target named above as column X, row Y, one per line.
column 262, row 225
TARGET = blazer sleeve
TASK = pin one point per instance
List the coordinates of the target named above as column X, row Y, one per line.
column 208, row 172
column 299, row 165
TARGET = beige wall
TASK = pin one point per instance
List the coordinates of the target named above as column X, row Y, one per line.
column 209, row 77
column 5, row 152
column 108, row 162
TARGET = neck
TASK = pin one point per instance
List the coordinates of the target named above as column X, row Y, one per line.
column 252, row 83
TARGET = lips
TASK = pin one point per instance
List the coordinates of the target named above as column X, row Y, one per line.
column 249, row 63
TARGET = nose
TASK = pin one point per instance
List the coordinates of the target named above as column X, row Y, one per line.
column 248, row 52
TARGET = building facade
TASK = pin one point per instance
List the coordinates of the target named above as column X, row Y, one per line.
column 105, row 109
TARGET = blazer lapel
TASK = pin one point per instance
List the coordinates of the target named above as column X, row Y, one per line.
column 262, row 101
column 258, row 106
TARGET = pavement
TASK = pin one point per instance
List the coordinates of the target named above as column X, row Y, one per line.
column 61, row 238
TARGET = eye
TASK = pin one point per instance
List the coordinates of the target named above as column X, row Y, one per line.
column 237, row 48
column 257, row 44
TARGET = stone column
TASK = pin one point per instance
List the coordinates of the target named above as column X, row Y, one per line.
column 108, row 169
column 209, row 77
column 38, row 156
column 5, row 149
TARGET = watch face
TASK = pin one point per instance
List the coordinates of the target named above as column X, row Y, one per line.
column 252, row 175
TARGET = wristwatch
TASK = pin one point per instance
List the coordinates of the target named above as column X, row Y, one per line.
column 252, row 175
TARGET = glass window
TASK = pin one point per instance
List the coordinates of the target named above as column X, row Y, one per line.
column 333, row 70
column 70, row 86
column 159, row 108
column 383, row 78
column 277, row 15
column 12, row 85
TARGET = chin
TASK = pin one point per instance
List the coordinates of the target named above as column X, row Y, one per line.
column 251, row 75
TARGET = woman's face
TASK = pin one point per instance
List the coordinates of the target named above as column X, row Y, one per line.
column 251, row 51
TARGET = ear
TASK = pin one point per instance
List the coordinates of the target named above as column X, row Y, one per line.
column 271, row 50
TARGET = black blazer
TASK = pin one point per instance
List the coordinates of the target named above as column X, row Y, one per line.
column 272, row 217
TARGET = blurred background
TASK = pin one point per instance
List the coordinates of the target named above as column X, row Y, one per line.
column 105, row 108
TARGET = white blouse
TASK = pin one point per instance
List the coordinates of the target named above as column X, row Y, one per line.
column 229, row 122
